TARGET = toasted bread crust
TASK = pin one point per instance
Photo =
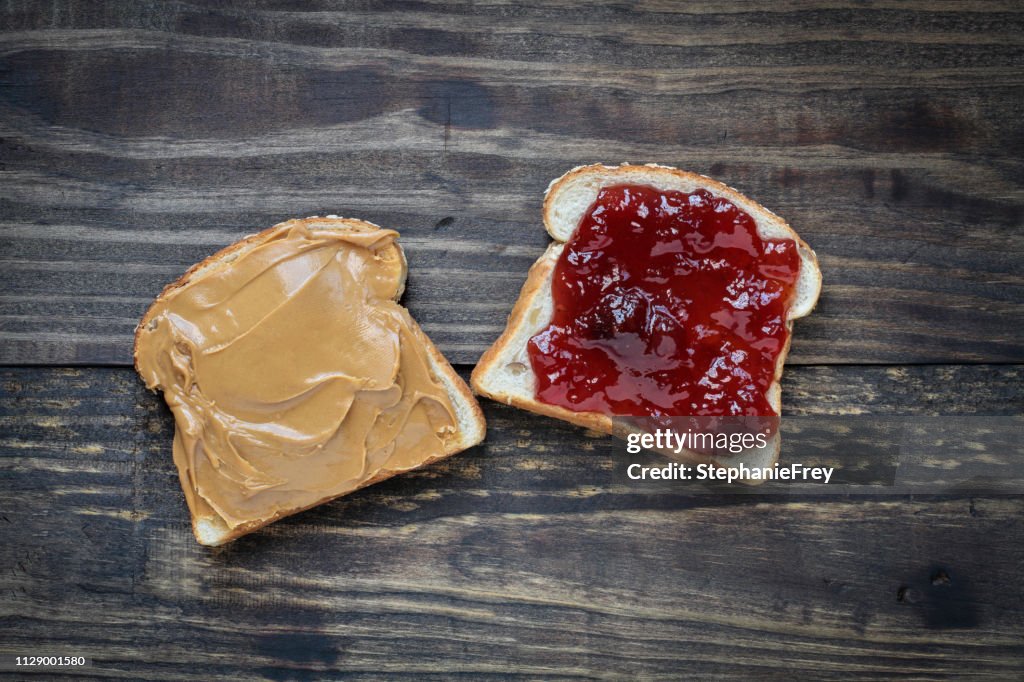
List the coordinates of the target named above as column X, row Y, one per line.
column 439, row 365
column 535, row 279
column 542, row 269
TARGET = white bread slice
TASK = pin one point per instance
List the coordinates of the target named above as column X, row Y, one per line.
column 504, row 372
column 208, row 527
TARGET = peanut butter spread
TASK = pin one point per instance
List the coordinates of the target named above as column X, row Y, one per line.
column 293, row 374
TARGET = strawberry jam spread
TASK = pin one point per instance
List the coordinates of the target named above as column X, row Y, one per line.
column 665, row 303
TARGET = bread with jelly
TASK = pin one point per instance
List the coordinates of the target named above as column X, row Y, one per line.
column 507, row 372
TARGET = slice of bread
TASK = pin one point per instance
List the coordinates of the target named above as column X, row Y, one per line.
column 504, row 372
column 207, row 525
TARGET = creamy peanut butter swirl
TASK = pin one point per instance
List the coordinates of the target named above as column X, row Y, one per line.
column 293, row 374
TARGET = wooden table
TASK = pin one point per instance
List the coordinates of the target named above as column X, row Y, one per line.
column 137, row 138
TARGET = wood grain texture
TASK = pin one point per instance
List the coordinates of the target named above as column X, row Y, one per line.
column 135, row 139
column 519, row 558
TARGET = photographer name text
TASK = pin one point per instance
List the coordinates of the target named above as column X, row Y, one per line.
column 709, row 472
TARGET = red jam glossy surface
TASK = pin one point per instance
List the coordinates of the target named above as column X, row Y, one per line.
column 666, row 303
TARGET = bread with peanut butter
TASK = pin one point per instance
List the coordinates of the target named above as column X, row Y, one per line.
column 295, row 377
column 643, row 247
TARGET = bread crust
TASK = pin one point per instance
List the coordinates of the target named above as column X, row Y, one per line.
column 459, row 391
column 535, row 279
column 541, row 271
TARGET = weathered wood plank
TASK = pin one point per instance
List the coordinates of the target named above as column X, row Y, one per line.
column 136, row 142
column 136, row 139
column 518, row 558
